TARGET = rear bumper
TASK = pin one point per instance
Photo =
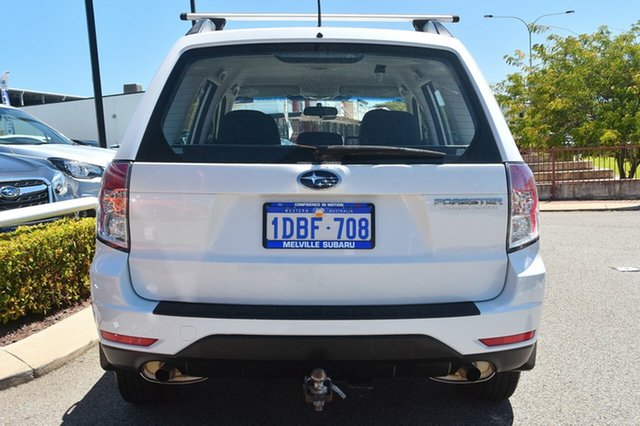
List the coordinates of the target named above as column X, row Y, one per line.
column 440, row 340
column 347, row 357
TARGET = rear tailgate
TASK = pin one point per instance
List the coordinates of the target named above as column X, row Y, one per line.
column 197, row 235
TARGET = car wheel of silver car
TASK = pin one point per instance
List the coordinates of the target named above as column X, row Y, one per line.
column 498, row 388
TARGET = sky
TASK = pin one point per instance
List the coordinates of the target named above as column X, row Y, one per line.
column 45, row 44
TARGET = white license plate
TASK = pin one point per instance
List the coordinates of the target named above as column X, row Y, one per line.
column 318, row 225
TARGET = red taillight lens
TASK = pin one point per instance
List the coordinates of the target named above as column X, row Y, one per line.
column 524, row 225
column 507, row 340
column 127, row 340
column 113, row 206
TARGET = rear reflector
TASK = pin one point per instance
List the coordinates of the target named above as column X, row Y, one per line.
column 127, row 340
column 507, row 340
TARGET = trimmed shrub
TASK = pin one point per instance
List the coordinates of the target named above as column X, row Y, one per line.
column 45, row 267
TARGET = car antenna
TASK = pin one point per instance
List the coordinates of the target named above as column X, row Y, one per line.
column 319, row 15
column 192, row 4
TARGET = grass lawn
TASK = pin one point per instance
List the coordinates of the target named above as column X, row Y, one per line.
column 601, row 162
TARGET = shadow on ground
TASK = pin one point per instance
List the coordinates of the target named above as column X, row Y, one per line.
column 251, row 402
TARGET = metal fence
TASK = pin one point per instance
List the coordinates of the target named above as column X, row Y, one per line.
column 584, row 164
column 46, row 211
column 565, row 166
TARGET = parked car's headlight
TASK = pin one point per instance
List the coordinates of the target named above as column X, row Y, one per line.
column 77, row 169
column 59, row 184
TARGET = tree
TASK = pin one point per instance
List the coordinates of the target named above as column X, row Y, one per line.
column 584, row 90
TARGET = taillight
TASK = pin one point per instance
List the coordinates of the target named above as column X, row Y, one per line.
column 524, row 221
column 113, row 206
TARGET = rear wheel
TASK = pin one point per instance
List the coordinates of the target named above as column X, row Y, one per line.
column 136, row 390
column 500, row 387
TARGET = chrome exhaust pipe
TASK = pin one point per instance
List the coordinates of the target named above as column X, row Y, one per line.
column 477, row 371
column 162, row 372
column 165, row 373
column 470, row 372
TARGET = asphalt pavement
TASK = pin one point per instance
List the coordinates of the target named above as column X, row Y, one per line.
column 49, row 349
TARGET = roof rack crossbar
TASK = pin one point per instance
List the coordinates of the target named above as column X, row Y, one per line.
column 428, row 23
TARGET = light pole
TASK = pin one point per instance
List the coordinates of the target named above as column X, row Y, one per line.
column 95, row 71
column 529, row 25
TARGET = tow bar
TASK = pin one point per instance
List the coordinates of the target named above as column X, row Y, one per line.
column 318, row 389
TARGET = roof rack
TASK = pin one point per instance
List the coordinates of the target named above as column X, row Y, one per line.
column 422, row 23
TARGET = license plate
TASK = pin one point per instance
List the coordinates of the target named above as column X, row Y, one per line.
column 318, row 225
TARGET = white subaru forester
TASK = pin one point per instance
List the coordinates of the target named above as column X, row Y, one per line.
column 329, row 202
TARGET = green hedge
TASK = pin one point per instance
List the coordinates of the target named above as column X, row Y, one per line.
column 45, row 267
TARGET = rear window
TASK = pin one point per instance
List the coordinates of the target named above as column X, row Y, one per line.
column 292, row 103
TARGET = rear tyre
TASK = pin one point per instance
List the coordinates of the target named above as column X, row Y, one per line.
column 500, row 387
column 136, row 390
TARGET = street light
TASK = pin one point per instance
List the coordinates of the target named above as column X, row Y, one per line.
column 555, row 27
column 530, row 26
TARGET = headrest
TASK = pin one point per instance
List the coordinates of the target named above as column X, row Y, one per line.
column 248, row 127
column 383, row 127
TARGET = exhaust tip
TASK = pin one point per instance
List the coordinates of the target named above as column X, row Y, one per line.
column 477, row 371
column 161, row 372
column 164, row 374
column 473, row 374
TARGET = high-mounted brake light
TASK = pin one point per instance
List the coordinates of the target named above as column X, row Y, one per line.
column 113, row 206
column 127, row 340
column 507, row 340
column 524, row 221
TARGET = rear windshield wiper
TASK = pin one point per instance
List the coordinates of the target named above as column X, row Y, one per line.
column 339, row 152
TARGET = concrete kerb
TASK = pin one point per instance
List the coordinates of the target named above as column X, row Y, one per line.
column 589, row 205
column 47, row 350
column 51, row 348
column 13, row 371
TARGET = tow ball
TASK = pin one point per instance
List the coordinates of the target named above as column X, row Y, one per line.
column 318, row 389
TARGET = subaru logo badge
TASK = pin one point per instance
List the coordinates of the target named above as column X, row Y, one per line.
column 319, row 179
column 9, row 192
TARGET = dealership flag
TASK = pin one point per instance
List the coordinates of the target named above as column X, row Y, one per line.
column 4, row 88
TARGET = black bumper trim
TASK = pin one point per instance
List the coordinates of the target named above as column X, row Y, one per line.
column 313, row 312
column 317, row 348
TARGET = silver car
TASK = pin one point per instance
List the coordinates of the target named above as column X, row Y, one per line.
column 398, row 236
column 23, row 134
column 28, row 182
